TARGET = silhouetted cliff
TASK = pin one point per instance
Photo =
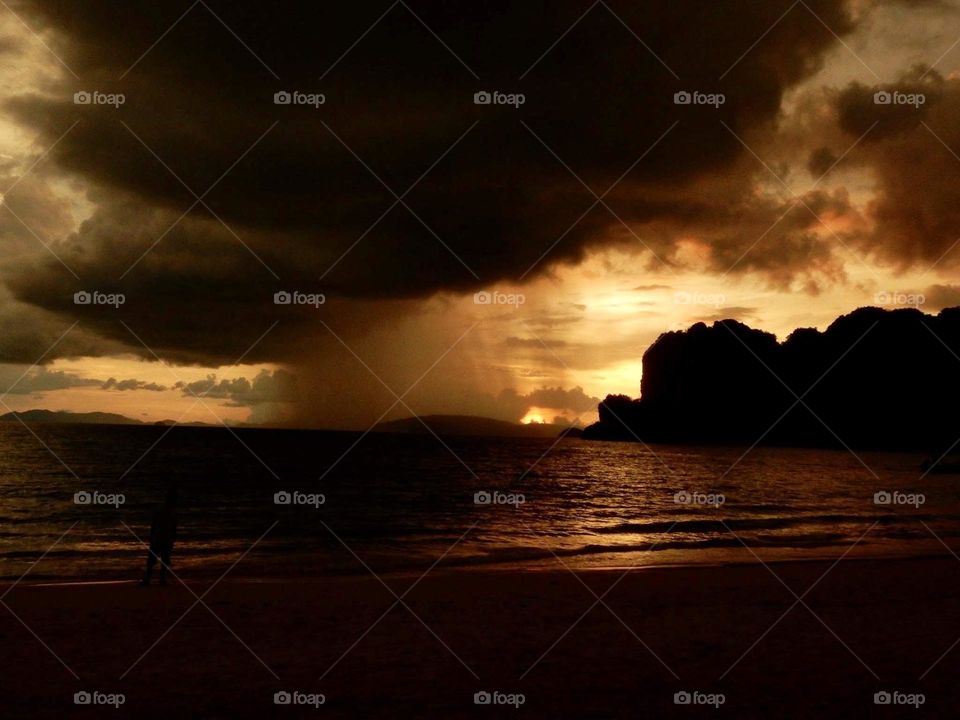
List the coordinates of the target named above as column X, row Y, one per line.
column 873, row 379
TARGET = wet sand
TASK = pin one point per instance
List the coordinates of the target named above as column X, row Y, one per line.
column 878, row 625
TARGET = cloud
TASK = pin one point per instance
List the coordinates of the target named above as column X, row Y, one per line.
column 17, row 381
column 942, row 296
column 502, row 198
column 489, row 204
column 729, row 313
column 911, row 153
column 575, row 400
column 650, row 288
column 266, row 387
column 513, row 406
column 535, row 343
column 131, row 384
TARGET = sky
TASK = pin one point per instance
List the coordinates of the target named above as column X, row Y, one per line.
column 511, row 259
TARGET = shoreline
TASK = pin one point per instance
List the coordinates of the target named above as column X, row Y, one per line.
column 494, row 570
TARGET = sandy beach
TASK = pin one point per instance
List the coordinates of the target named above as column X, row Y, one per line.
column 867, row 626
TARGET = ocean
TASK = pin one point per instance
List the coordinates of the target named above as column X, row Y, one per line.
column 307, row 503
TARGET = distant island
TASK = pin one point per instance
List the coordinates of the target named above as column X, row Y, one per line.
column 448, row 425
column 874, row 379
column 64, row 417
column 473, row 426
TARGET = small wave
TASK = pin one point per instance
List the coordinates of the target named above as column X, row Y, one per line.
column 722, row 525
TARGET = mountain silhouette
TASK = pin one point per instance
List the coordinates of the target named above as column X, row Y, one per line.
column 64, row 417
column 880, row 379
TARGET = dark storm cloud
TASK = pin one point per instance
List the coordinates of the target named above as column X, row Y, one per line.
column 299, row 200
column 913, row 154
column 862, row 107
column 821, row 160
column 939, row 4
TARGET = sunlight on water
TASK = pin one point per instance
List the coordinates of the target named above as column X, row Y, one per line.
column 400, row 502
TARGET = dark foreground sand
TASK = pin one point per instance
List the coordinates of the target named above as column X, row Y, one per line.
column 892, row 618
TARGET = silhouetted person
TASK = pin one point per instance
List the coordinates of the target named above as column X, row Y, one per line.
column 163, row 533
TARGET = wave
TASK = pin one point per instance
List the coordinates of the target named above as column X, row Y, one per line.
column 723, row 525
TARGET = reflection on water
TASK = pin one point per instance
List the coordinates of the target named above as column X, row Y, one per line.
column 400, row 502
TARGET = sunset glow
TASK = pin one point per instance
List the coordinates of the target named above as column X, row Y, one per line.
column 464, row 358
column 799, row 226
